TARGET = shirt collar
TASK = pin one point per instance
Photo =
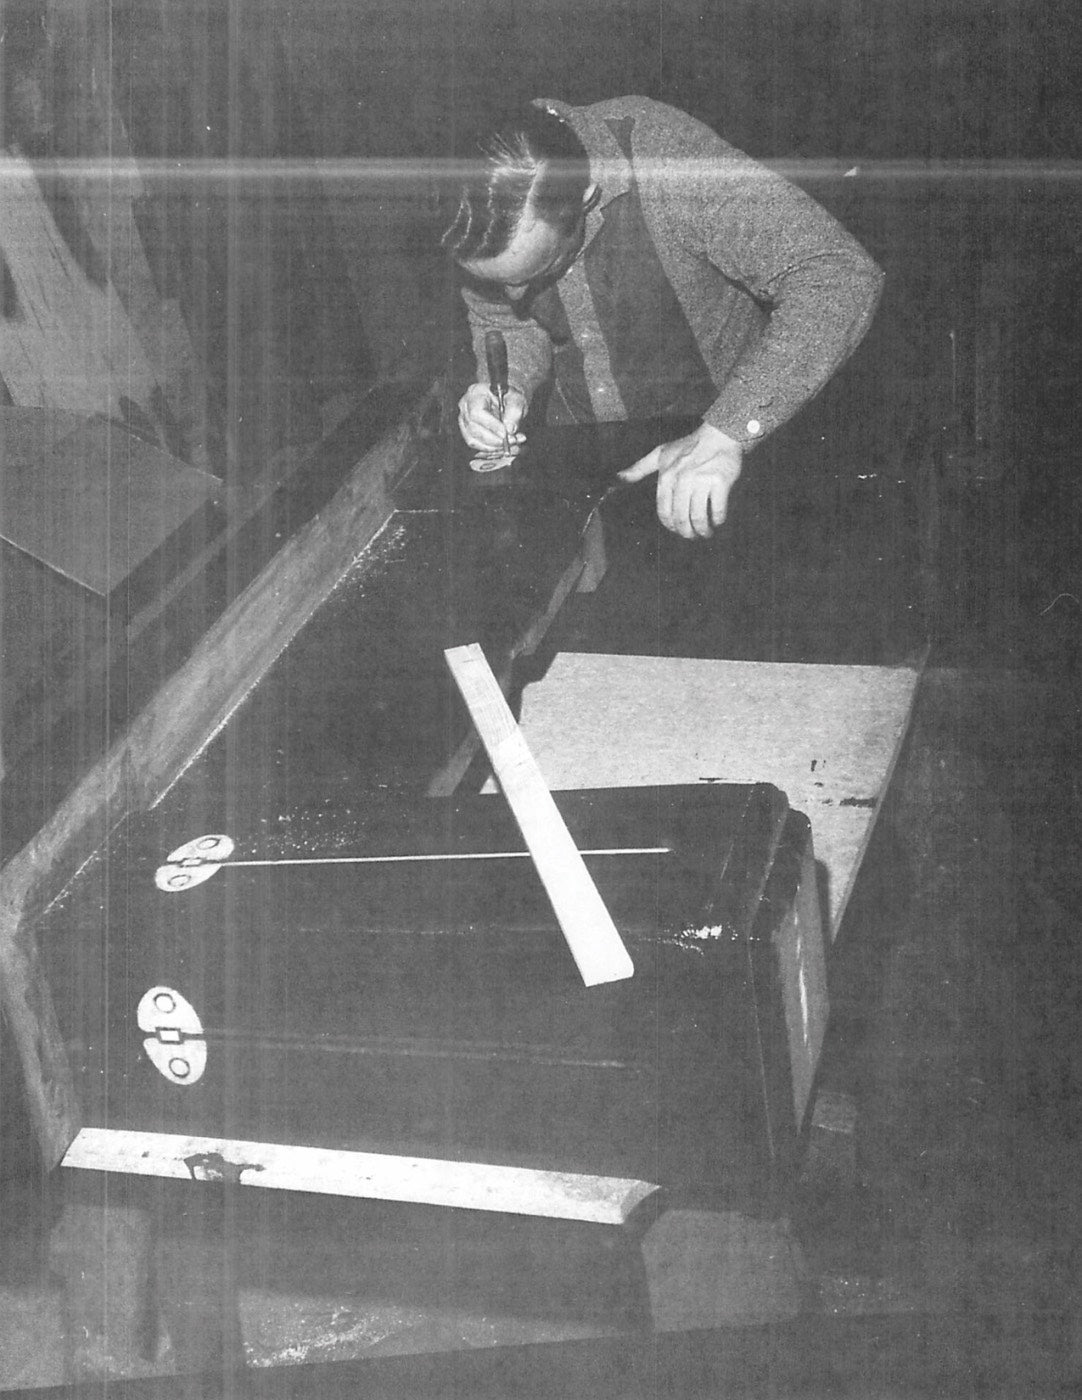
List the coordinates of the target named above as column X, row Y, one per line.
column 609, row 166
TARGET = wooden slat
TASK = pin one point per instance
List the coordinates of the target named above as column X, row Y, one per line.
column 603, row 1200
column 595, row 943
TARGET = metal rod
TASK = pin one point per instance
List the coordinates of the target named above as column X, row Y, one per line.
column 439, row 855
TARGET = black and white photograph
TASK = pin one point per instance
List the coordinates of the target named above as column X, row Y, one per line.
column 540, row 721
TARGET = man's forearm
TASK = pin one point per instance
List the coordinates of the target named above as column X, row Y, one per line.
column 822, row 312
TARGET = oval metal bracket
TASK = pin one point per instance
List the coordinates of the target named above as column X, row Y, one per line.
column 173, row 1032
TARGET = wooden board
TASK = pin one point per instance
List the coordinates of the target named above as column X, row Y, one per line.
column 363, row 1175
column 587, row 925
column 828, row 736
column 95, row 502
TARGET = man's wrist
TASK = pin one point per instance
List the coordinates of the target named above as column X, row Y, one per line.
column 747, row 432
column 717, row 440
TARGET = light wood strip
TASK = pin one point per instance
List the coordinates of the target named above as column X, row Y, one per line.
column 603, row 1200
column 595, row 943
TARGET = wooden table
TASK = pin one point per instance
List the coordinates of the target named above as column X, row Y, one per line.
column 358, row 704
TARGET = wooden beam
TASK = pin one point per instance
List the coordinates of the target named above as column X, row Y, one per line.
column 31, row 1017
column 487, row 1186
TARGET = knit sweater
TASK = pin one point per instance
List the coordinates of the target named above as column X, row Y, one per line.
column 776, row 293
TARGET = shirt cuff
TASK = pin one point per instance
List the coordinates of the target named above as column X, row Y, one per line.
column 746, row 424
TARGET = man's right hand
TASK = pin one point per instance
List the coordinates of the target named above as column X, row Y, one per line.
column 479, row 420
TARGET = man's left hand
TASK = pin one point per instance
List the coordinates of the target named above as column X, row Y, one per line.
column 694, row 477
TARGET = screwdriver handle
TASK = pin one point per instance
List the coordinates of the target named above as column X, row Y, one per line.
column 496, row 358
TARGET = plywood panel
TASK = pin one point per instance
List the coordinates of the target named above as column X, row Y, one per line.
column 828, row 736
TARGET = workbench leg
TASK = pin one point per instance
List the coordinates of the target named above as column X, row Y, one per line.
column 149, row 1278
column 720, row 1269
column 100, row 1249
column 195, row 1266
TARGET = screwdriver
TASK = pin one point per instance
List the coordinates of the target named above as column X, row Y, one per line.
column 496, row 359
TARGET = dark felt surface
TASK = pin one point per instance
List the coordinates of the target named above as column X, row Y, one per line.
column 433, row 1008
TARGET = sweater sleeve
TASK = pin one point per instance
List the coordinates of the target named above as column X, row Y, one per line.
column 768, row 238
column 529, row 349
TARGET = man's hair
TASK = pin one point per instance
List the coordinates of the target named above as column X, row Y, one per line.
column 531, row 160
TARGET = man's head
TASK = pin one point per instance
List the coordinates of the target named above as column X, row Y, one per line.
column 521, row 218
